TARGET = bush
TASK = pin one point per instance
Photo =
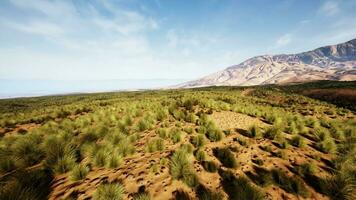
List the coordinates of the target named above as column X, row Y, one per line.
column 143, row 125
column 226, row 157
column 239, row 188
column 198, row 141
column 25, row 150
column 188, row 130
column 161, row 114
column 282, row 142
column 181, row 168
column 200, row 155
column 79, row 172
column 99, row 158
column 59, row 155
column 162, row 132
column 292, row 184
column 327, row 146
column 306, row 169
column 253, row 131
column 191, row 118
column 64, row 164
column 155, row 145
column 113, row 161
column 175, row 135
column 272, row 132
column 213, row 133
column 298, row 141
column 210, row 166
column 142, row 196
column 187, row 148
column 109, row 191
column 205, row 194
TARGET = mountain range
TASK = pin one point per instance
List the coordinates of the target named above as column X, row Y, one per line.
column 334, row 62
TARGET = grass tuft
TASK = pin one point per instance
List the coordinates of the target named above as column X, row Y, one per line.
column 109, row 191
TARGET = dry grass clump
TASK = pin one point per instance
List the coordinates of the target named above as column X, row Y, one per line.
column 79, row 172
column 60, row 155
column 272, row 132
column 198, row 140
column 226, row 157
column 109, row 191
column 155, row 145
column 200, row 155
column 298, row 141
column 175, row 135
column 239, row 188
column 253, row 132
column 181, row 168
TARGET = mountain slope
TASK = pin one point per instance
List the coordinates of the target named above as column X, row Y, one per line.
column 335, row 62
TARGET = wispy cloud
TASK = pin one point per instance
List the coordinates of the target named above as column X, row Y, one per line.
column 284, row 40
column 329, row 8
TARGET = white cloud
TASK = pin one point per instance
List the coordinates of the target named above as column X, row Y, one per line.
column 329, row 8
column 284, row 40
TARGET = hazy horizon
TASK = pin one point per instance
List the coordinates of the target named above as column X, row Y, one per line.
column 33, row 88
column 154, row 39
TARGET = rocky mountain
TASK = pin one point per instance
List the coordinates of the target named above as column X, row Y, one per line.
column 335, row 62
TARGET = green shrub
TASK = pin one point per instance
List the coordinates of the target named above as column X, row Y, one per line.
column 155, row 145
column 200, row 155
column 282, row 142
column 59, row 155
column 327, row 146
column 198, row 141
column 114, row 160
column 99, row 158
column 161, row 114
column 214, row 134
column 187, row 148
column 175, row 135
column 181, row 168
column 128, row 120
column 272, row 132
column 253, row 131
column 162, row 132
column 205, row 194
column 109, row 191
column 306, row 169
column 191, row 118
column 125, row 147
column 292, row 184
column 79, row 172
column 239, row 188
column 226, row 157
column 26, row 151
column 143, row 125
column 298, row 141
column 210, row 166
column 188, row 130
column 142, row 196
column 292, row 128
column 64, row 164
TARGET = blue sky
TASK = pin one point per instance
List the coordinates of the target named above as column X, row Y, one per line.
column 149, row 39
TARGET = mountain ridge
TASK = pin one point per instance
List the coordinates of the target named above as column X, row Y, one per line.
column 332, row 62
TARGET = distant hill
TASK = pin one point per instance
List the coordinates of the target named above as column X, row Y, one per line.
column 335, row 62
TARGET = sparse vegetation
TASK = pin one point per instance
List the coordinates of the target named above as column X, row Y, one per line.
column 109, row 191
column 181, row 168
column 78, row 138
column 226, row 157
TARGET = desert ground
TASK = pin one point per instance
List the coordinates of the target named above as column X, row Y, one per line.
column 267, row 142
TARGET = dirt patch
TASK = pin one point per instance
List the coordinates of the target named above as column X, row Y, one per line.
column 232, row 120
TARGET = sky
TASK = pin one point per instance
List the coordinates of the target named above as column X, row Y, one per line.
column 159, row 39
